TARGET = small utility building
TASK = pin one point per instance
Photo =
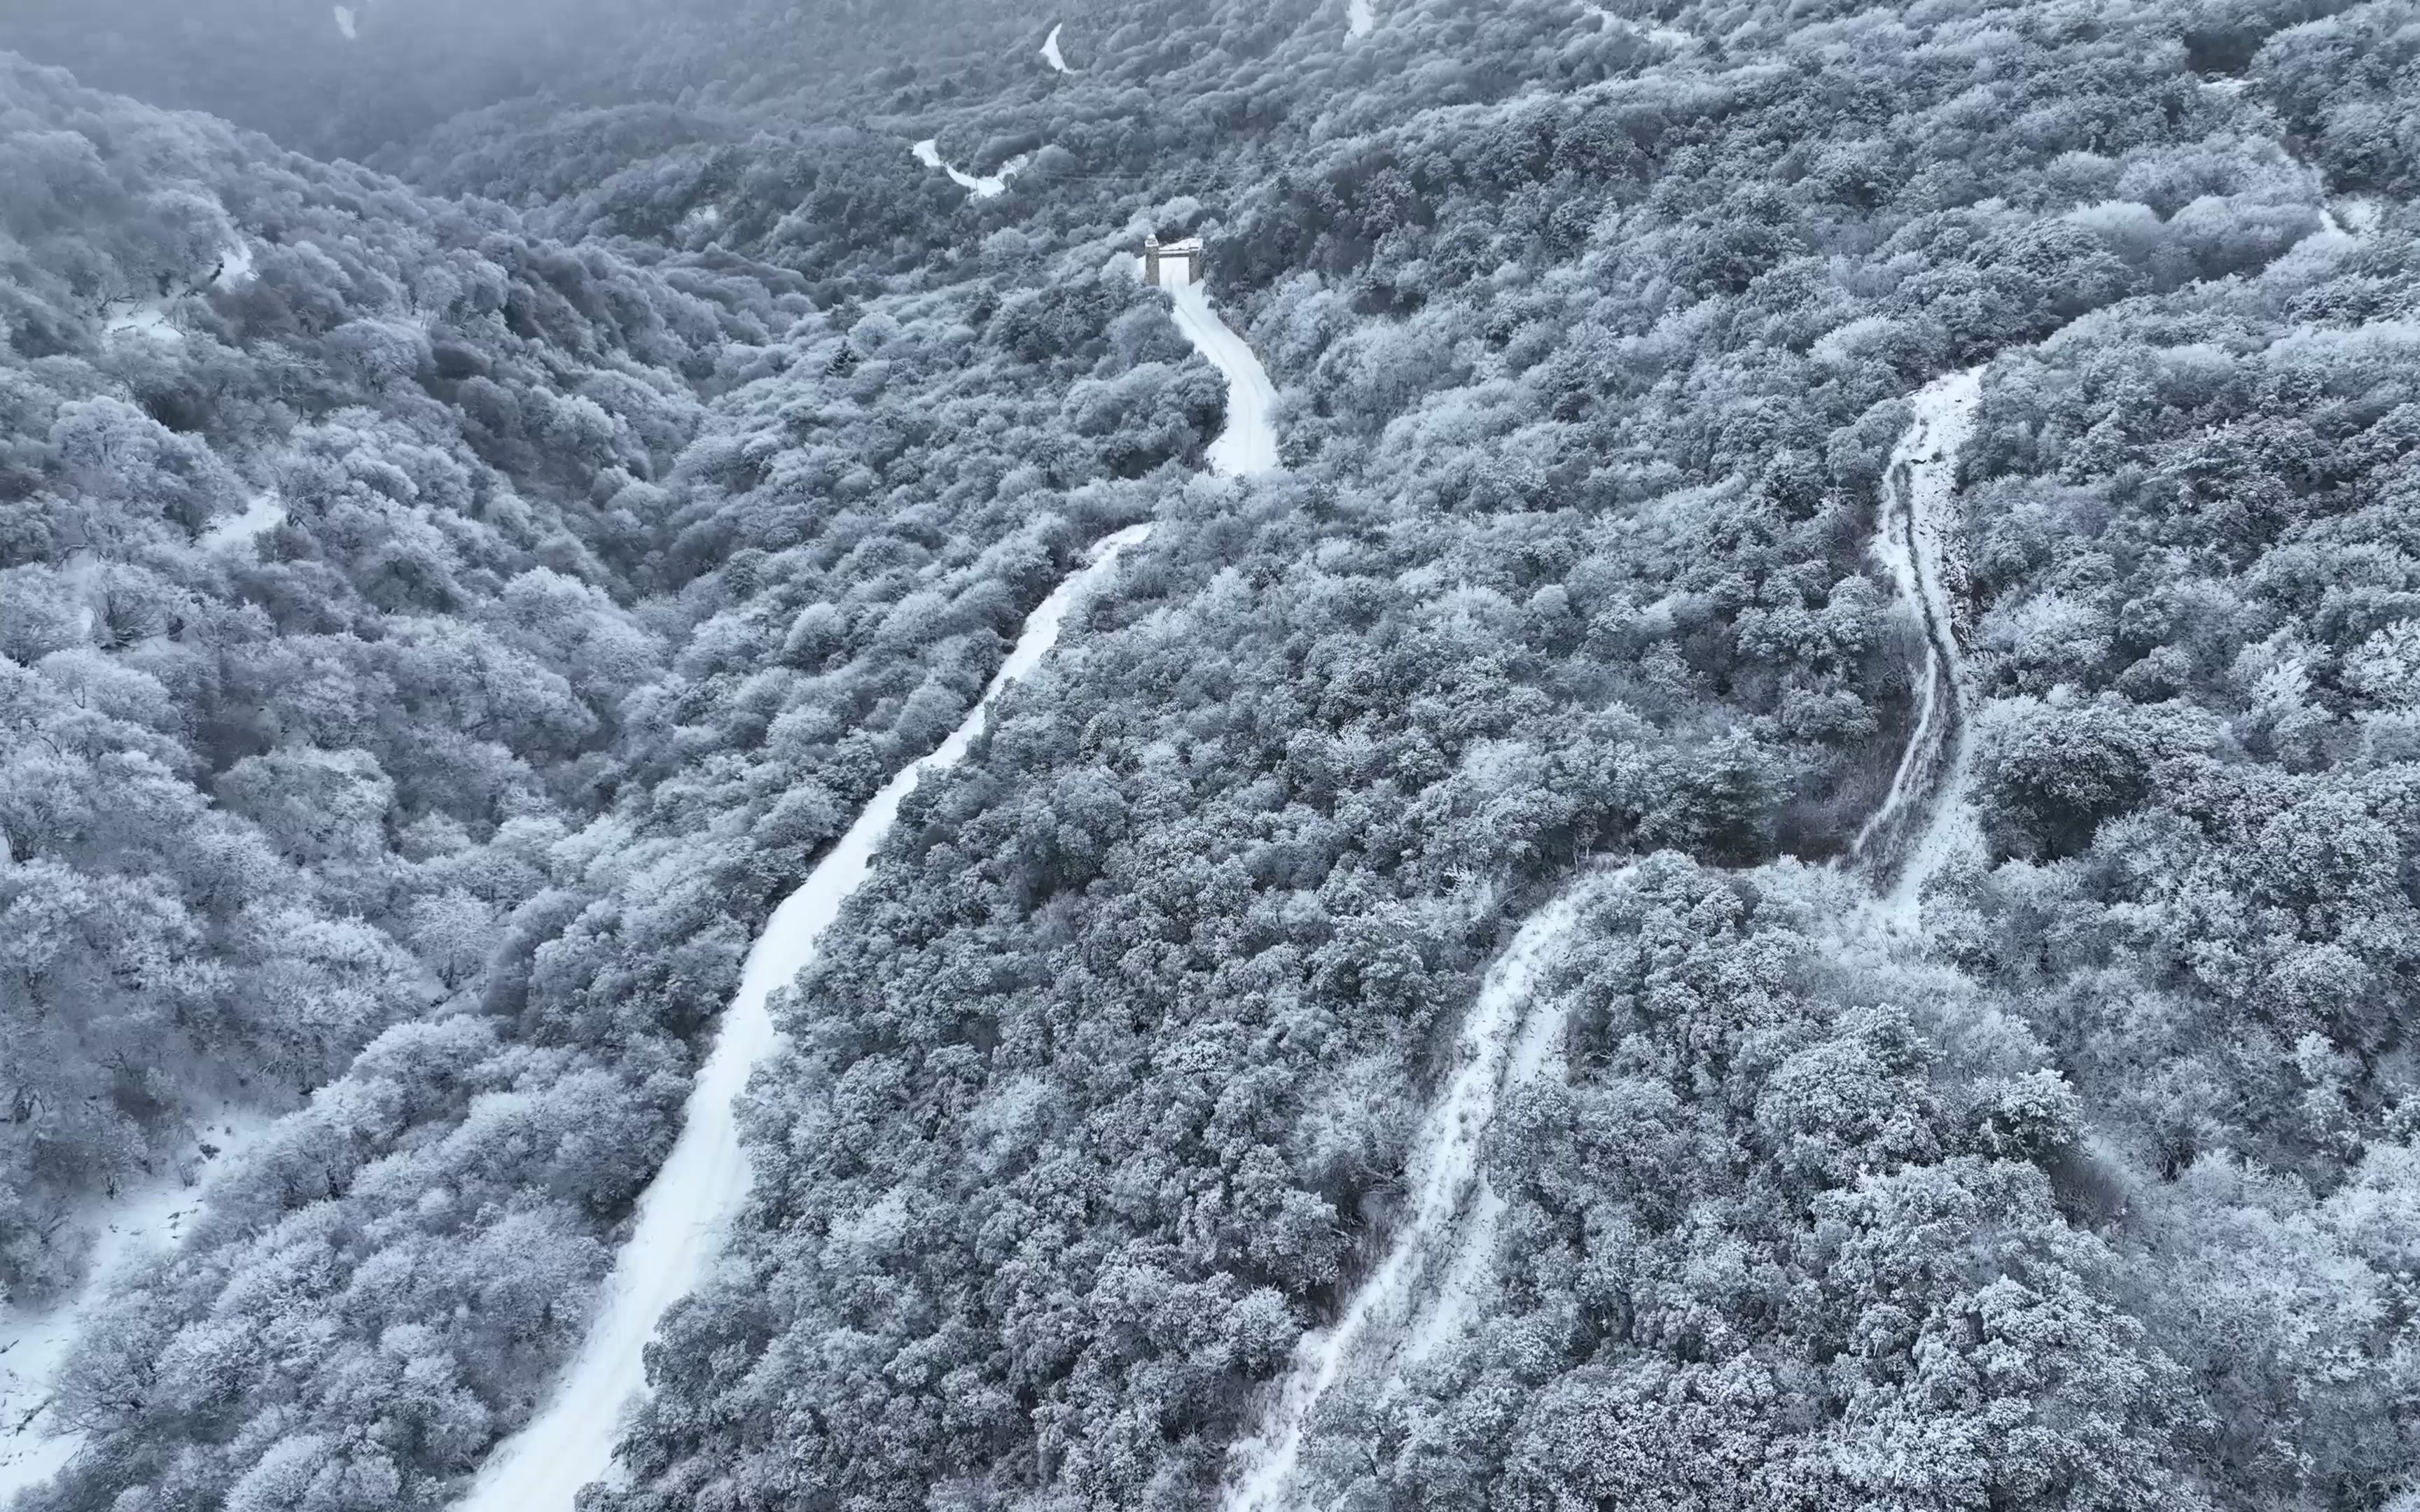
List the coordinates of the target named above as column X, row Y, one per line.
column 1171, row 264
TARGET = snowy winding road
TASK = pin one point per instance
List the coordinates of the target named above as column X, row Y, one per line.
column 990, row 186
column 1917, row 826
column 1247, row 444
column 1902, row 846
column 685, row 1212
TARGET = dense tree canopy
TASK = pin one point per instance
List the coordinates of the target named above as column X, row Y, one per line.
column 444, row 605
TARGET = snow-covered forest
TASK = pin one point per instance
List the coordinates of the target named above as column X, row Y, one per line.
column 1699, row 792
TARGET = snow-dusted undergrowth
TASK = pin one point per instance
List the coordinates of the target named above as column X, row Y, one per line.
column 685, row 1212
column 155, row 317
column 1501, row 1042
column 34, row 1341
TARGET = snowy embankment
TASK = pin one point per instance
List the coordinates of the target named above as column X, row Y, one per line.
column 992, row 186
column 1050, row 53
column 34, row 1341
column 685, row 1212
column 1451, row 1215
column 1907, row 839
column 1247, row 444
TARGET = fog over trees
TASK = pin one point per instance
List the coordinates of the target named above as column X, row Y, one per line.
column 487, row 493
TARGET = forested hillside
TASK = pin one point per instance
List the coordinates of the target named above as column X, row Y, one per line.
column 481, row 741
column 445, row 604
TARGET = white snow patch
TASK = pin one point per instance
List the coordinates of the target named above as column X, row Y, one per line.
column 686, row 1211
column 1050, row 53
column 1247, row 444
column 235, row 266
column 1358, row 18
column 1444, row 1180
column 2349, row 218
column 1917, row 544
column 148, row 318
column 1665, row 35
column 265, row 512
column 35, row 1341
column 345, row 22
column 990, row 186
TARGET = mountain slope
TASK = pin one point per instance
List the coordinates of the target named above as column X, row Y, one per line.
column 1592, row 334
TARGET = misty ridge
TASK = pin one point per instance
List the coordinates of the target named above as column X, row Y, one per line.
column 1329, row 756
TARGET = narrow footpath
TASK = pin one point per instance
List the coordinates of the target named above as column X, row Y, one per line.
column 35, row 1341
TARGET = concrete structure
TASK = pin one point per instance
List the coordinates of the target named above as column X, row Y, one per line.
column 1171, row 264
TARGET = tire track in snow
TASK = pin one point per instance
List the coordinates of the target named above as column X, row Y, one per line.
column 686, row 1211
